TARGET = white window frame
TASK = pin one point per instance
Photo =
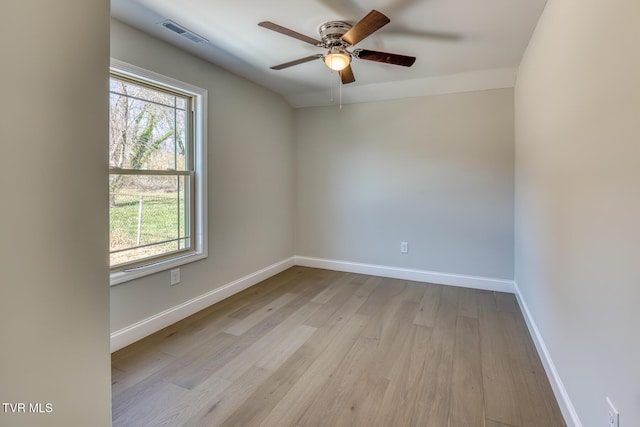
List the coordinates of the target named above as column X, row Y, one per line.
column 200, row 167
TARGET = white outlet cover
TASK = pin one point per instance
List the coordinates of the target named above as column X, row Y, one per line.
column 175, row 276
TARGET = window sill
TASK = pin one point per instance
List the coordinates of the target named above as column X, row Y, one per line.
column 125, row 276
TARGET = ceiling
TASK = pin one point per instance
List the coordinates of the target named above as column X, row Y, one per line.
column 460, row 45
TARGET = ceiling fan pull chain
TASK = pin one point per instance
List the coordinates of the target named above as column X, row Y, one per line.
column 340, row 84
column 331, row 86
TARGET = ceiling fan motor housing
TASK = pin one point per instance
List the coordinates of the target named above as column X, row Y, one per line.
column 331, row 33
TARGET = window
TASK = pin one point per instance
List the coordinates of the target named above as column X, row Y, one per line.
column 156, row 172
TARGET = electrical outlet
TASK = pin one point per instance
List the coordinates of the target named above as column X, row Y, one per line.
column 613, row 417
column 175, row 276
column 404, row 247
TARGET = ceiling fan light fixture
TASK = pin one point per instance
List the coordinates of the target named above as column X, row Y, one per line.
column 337, row 60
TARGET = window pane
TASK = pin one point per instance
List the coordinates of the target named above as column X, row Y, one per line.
column 149, row 216
column 145, row 93
column 146, row 131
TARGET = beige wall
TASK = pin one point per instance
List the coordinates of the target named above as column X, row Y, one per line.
column 54, row 292
column 250, row 179
column 436, row 172
column 577, row 104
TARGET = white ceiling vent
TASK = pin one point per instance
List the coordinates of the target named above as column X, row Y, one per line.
column 179, row 29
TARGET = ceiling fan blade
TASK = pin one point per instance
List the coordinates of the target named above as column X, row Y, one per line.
column 287, row 32
column 368, row 25
column 346, row 75
column 387, row 58
column 296, row 62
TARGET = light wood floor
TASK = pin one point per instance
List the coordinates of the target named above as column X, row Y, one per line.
column 312, row 347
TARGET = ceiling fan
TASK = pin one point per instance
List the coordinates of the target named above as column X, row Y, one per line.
column 338, row 37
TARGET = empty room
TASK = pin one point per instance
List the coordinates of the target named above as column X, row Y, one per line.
column 320, row 213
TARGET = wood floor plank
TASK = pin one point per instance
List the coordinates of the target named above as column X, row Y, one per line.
column 344, row 292
column 491, row 423
column 255, row 297
column 182, row 342
column 254, row 304
column 500, row 397
column 270, row 392
column 466, row 393
column 338, row 387
column 128, row 399
column 195, row 373
column 221, row 406
column 414, row 291
column 537, row 412
column 434, row 394
column 395, row 333
column 269, row 342
column 362, row 408
column 359, row 279
column 184, row 408
column 280, row 383
column 368, row 286
column 506, row 302
column 259, row 315
column 385, row 308
column 254, row 409
column 346, row 396
column 387, row 290
column 228, row 347
column 330, row 291
column 398, row 404
column 293, row 404
column 537, row 374
column 137, row 369
column 289, row 345
column 426, row 314
column 467, row 303
column 144, row 362
column 311, row 347
column 141, row 393
column 163, row 395
column 199, row 365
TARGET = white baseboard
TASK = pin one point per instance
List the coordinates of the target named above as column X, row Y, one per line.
column 461, row 280
column 568, row 411
column 146, row 327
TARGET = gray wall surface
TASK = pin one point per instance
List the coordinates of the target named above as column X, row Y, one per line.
column 54, row 295
column 577, row 104
column 250, row 179
column 436, row 172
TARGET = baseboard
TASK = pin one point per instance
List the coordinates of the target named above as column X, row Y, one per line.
column 568, row 411
column 461, row 280
column 146, row 327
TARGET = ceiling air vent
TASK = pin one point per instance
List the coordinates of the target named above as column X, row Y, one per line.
column 179, row 29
